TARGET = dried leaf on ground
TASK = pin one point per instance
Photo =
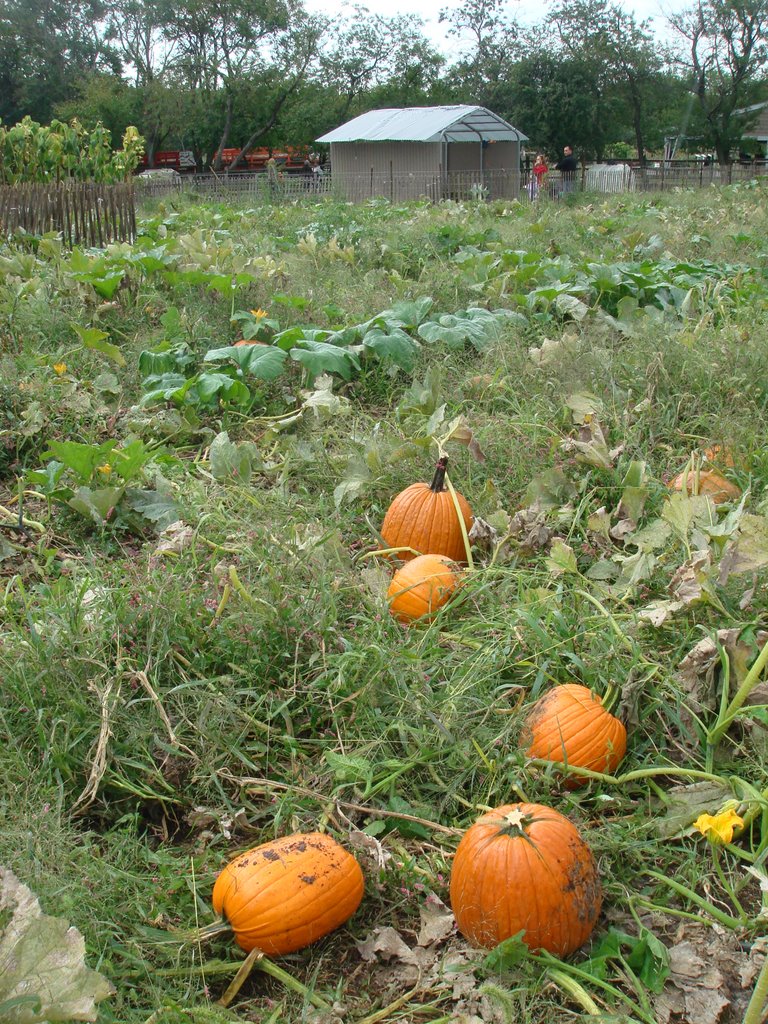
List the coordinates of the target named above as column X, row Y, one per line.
column 529, row 529
column 174, row 539
column 483, row 536
column 43, row 958
column 370, row 847
column 747, row 550
column 437, row 921
column 691, row 582
column 686, row 803
column 694, row 993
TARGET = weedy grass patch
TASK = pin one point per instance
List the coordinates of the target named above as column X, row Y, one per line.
column 196, row 646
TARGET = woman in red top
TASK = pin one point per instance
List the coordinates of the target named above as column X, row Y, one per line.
column 539, row 169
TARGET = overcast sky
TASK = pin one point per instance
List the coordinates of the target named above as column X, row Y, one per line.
column 527, row 12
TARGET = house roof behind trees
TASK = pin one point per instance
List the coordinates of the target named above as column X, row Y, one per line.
column 426, row 124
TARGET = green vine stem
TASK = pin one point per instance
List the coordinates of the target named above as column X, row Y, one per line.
column 726, row 884
column 756, row 1009
column 575, row 991
column 462, row 527
column 634, row 776
column 727, row 920
column 750, row 681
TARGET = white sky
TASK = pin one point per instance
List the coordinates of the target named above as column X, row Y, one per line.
column 527, row 12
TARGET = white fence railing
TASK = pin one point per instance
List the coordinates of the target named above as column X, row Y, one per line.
column 460, row 185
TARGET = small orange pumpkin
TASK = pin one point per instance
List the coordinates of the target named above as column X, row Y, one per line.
column 423, row 517
column 421, row 587
column 706, row 481
column 570, row 725
column 525, row 867
column 286, row 894
column 245, row 341
column 719, row 455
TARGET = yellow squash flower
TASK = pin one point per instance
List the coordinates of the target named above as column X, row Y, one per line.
column 719, row 828
column 60, row 368
column 105, row 470
column 258, row 314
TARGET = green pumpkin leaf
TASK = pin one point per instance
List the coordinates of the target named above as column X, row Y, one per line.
column 319, row 357
column 394, row 345
column 94, row 338
column 265, row 362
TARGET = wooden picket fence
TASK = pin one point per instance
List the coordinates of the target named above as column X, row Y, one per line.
column 85, row 213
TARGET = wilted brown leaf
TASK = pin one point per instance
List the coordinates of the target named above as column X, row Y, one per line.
column 43, row 958
column 437, row 921
column 686, row 803
column 694, row 993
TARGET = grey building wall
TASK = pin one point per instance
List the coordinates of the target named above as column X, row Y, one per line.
column 411, row 170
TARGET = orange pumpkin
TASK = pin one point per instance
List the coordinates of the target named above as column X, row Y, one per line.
column 421, row 587
column 245, row 341
column 706, row 481
column 283, row 895
column 570, row 725
column 719, row 455
column 423, row 517
column 525, row 867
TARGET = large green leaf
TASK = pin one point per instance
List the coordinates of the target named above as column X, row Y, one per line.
column 266, row 362
column 393, row 344
column 95, row 339
column 81, row 459
column 96, row 503
column 220, row 385
column 319, row 357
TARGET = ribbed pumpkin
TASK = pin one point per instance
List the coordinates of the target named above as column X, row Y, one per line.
column 706, row 481
column 423, row 517
column 421, row 587
column 569, row 724
column 525, row 866
column 285, row 894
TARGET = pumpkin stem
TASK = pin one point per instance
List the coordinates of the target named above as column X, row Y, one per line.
column 514, row 823
column 438, row 480
column 210, row 931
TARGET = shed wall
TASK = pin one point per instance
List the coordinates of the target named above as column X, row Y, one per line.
column 410, row 170
column 760, row 128
column 397, row 170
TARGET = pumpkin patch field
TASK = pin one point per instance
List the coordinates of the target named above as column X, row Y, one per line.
column 383, row 614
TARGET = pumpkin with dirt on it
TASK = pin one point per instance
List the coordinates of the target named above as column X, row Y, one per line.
column 286, row 894
column 524, row 867
column 569, row 725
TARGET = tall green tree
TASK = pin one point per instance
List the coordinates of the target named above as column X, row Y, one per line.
column 490, row 37
column 724, row 53
column 46, row 48
column 624, row 57
column 365, row 52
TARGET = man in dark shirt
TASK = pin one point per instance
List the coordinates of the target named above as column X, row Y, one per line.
column 567, row 166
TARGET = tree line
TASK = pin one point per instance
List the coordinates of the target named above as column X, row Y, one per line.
column 206, row 75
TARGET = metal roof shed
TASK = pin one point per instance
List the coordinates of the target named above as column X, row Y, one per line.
column 406, row 152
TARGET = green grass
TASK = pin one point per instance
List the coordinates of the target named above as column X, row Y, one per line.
column 298, row 700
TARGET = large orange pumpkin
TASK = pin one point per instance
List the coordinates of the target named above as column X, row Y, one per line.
column 525, row 867
column 569, row 724
column 423, row 517
column 421, row 586
column 706, row 481
column 283, row 895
